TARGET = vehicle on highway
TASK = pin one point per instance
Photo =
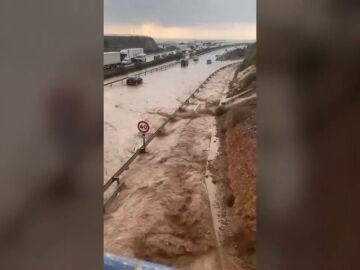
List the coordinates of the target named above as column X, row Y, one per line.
column 196, row 58
column 140, row 58
column 126, row 61
column 134, row 81
column 131, row 53
column 111, row 59
column 184, row 63
column 115, row 59
column 208, row 61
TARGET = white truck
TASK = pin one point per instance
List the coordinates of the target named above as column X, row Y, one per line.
column 140, row 58
column 130, row 53
column 111, row 59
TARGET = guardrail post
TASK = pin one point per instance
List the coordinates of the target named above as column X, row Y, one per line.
column 116, row 179
column 143, row 149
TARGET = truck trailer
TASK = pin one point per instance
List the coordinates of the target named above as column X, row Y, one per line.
column 131, row 53
column 111, row 59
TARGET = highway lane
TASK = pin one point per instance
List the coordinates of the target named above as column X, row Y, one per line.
column 161, row 93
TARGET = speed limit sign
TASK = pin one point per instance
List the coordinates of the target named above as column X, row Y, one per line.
column 143, row 126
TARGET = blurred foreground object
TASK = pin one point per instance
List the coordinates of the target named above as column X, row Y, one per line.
column 308, row 135
column 113, row 262
column 51, row 166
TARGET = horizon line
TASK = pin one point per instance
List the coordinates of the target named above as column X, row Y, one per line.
column 186, row 38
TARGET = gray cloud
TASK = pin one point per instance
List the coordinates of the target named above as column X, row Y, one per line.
column 179, row 12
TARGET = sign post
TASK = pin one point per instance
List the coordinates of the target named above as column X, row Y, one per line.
column 143, row 127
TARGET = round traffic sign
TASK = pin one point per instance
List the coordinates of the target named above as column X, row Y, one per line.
column 143, row 126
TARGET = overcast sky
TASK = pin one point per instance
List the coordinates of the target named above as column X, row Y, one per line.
column 218, row 19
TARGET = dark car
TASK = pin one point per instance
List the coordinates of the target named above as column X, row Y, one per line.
column 134, row 81
column 208, row 61
column 184, row 62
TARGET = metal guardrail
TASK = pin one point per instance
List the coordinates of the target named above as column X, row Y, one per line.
column 159, row 68
column 125, row 166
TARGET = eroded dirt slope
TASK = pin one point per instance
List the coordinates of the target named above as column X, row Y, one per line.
column 234, row 172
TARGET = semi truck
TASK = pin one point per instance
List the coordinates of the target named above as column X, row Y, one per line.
column 124, row 57
column 131, row 53
column 111, row 59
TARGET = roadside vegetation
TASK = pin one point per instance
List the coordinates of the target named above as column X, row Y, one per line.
column 233, row 55
column 117, row 43
column 249, row 59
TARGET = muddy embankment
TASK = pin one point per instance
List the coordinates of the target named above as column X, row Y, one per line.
column 232, row 55
column 234, row 170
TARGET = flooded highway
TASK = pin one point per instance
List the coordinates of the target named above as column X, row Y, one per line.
column 159, row 95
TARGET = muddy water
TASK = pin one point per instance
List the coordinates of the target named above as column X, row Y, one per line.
column 161, row 92
column 163, row 214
